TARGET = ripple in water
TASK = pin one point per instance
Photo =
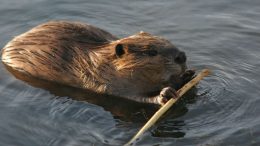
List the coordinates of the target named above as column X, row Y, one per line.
column 216, row 103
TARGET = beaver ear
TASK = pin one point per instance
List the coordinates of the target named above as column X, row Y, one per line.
column 119, row 49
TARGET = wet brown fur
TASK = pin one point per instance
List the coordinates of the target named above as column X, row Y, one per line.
column 83, row 56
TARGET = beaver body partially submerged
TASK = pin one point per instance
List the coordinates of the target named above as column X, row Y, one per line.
column 142, row 67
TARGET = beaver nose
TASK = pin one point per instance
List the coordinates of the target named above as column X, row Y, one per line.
column 180, row 58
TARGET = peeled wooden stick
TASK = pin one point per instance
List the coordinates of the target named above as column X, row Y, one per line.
column 165, row 107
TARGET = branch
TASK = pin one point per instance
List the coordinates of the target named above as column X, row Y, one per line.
column 165, row 107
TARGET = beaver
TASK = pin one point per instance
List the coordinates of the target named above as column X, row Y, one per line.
column 141, row 67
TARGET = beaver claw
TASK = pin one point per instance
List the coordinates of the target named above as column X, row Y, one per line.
column 166, row 94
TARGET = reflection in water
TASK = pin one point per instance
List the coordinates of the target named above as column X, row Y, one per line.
column 220, row 35
column 121, row 108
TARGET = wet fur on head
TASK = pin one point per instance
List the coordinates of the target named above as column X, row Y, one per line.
column 139, row 60
column 148, row 56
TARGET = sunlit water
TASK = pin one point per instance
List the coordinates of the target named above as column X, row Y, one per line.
column 221, row 35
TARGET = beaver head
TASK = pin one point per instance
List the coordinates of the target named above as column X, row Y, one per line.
column 144, row 63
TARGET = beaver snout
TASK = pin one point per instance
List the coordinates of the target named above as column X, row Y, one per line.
column 180, row 58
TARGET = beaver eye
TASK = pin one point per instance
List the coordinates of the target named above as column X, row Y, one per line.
column 151, row 52
column 119, row 50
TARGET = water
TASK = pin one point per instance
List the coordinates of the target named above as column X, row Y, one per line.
column 220, row 35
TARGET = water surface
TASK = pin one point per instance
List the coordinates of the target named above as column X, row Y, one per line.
column 221, row 35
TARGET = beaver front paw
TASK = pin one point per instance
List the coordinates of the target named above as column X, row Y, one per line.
column 166, row 94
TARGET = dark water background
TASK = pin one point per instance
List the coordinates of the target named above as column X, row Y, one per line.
column 223, row 35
